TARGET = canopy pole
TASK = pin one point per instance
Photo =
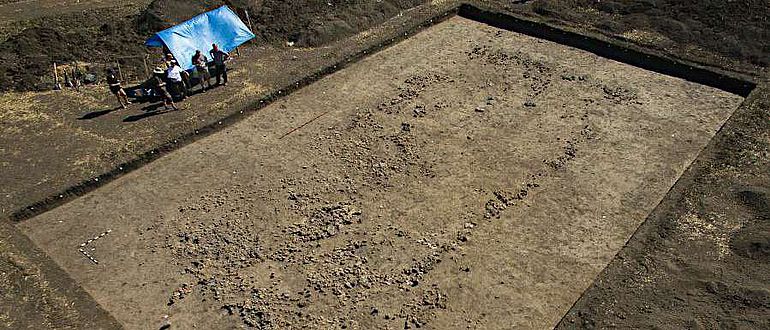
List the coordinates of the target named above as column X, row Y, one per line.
column 248, row 19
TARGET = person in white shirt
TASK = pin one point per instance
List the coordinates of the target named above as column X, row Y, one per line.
column 174, row 74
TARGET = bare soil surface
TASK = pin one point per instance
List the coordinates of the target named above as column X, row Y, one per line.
column 483, row 183
column 54, row 140
column 46, row 149
column 702, row 259
column 714, row 32
column 37, row 294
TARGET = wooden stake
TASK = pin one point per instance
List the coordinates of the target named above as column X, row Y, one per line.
column 120, row 73
column 56, row 85
column 146, row 69
column 75, row 76
column 248, row 19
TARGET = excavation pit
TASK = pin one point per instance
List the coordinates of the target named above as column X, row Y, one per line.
column 468, row 175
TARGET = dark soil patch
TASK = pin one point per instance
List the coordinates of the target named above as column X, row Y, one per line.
column 26, row 59
column 753, row 240
column 306, row 22
column 734, row 29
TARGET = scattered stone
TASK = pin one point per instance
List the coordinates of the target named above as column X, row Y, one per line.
column 419, row 111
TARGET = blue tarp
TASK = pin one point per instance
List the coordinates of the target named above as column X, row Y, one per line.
column 220, row 26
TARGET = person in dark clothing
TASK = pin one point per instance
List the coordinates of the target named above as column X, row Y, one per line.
column 201, row 69
column 158, row 83
column 219, row 58
column 117, row 89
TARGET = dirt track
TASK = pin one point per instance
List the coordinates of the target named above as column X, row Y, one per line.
column 438, row 190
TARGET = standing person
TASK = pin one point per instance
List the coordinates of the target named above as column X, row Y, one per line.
column 158, row 83
column 174, row 74
column 117, row 89
column 220, row 58
column 201, row 67
column 167, row 61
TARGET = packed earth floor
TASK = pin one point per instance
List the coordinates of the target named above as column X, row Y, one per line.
column 468, row 176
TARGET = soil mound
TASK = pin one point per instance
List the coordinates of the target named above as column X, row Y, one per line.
column 753, row 240
column 26, row 59
column 737, row 29
column 306, row 22
column 162, row 14
column 29, row 55
column 313, row 23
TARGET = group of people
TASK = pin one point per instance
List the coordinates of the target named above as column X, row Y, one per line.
column 174, row 80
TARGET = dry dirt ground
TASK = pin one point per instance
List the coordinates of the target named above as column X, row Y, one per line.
column 702, row 258
column 51, row 141
column 699, row 261
column 467, row 176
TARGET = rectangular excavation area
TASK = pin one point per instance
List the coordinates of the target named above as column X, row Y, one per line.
column 468, row 176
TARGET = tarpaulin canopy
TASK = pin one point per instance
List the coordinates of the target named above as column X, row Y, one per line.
column 220, row 26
